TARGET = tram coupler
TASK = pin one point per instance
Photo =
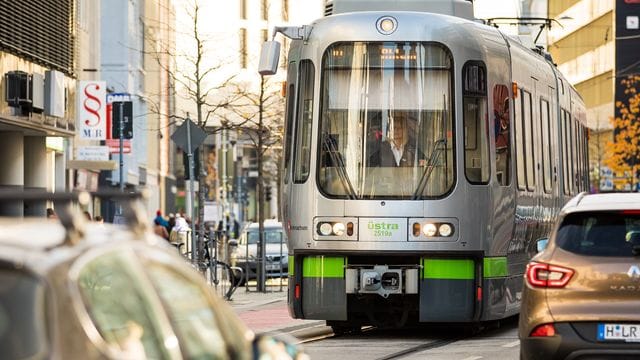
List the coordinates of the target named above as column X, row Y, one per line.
column 382, row 279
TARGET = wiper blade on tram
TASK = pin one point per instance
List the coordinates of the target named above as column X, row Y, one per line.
column 435, row 154
column 338, row 161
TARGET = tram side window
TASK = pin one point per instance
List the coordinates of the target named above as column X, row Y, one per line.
column 476, row 142
column 575, row 164
column 288, row 132
column 571, row 154
column 585, row 157
column 528, row 140
column 565, row 152
column 546, row 145
column 520, row 161
column 304, row 118
column 502, row 129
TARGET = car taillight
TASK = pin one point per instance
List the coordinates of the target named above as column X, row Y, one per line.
column 545, row 275
column 543, row 330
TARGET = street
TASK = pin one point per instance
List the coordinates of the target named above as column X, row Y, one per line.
column 267, row 312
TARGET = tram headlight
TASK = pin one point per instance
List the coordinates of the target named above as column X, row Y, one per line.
column 338, row 229
column 325, row 229
column 429, row 229
column 445, row 230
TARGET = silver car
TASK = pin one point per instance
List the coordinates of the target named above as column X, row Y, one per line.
column 245, row 255
column 85, row 290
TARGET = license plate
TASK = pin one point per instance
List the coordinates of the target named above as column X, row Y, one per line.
column 273, row 266
column 624, row 332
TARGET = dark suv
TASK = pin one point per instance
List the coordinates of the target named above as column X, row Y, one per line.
column 581, row 298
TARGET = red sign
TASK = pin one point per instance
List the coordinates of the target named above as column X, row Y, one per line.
column 114, row 146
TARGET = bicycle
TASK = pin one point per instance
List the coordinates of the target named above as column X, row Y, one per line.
column 211, row 267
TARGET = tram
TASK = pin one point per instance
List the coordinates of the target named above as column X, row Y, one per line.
column 425, row 152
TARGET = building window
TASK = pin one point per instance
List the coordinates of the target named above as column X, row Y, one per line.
column 243, row 48
column 243, row 9
column 41, row 30
column 285, row 10
column 265, row 9
column 142, row 43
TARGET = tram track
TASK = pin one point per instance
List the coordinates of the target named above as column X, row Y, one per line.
column 415, row 349
column 320, row 333
column 409, row 343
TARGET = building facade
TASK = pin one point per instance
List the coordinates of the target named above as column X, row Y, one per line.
column 233, row 33
column 584, row 50
column 135, row 61
column 37, row 117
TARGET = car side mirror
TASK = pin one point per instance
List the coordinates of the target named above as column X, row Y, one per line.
column 541, row 244
column 277, row 346
column 233, row 242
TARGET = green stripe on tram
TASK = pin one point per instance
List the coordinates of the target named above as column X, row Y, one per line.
column 292, row 266
column 495, row 267
column 458, row 269
column 323, row 267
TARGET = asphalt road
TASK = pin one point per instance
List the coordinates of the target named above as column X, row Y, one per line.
column 420, row 343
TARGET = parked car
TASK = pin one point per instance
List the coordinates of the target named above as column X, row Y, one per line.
column 581, row 298
column 88, row 290
column 245, row 254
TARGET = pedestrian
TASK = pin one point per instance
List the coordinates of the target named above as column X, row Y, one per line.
column 179, row 231
column 51, row 214
column 160, row 230
column 161, row 219
column 171, row 223
column 235, row 232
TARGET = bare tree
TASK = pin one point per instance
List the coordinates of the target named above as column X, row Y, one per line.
column 260, row 111
column 200, row 83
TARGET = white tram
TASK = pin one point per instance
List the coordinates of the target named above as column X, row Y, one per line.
column 424, row 154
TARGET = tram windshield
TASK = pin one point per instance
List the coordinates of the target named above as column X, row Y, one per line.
column 386, row 121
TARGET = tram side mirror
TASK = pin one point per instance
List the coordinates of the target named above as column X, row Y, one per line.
column 541, row 244
column 269, row 58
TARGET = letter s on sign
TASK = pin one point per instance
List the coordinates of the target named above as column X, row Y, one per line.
column 92, row 104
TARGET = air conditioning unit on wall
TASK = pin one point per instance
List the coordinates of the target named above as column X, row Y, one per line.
column 17, row 85
column 37, row 92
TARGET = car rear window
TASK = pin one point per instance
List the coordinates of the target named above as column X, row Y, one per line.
column 271, row 237
column 22, row 317
column 610, row 233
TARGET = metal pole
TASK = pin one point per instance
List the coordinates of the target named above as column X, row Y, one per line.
column 225, row 236
column 121, row 137
column 194, row 254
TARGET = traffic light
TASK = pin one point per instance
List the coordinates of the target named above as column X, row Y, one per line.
column 127, row 118
column 267, row 193
column 196, row 164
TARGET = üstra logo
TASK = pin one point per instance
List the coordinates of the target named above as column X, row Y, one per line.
column 382, row 226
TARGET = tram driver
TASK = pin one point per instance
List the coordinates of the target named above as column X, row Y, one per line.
column 398, row 149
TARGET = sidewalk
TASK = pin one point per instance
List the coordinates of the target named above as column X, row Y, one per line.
column 267, row 312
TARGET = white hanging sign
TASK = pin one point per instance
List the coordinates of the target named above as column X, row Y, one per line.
column 92, row 119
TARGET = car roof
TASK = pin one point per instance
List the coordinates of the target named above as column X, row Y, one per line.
column 267, row 225
column 603, row 202
column 39, row 244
